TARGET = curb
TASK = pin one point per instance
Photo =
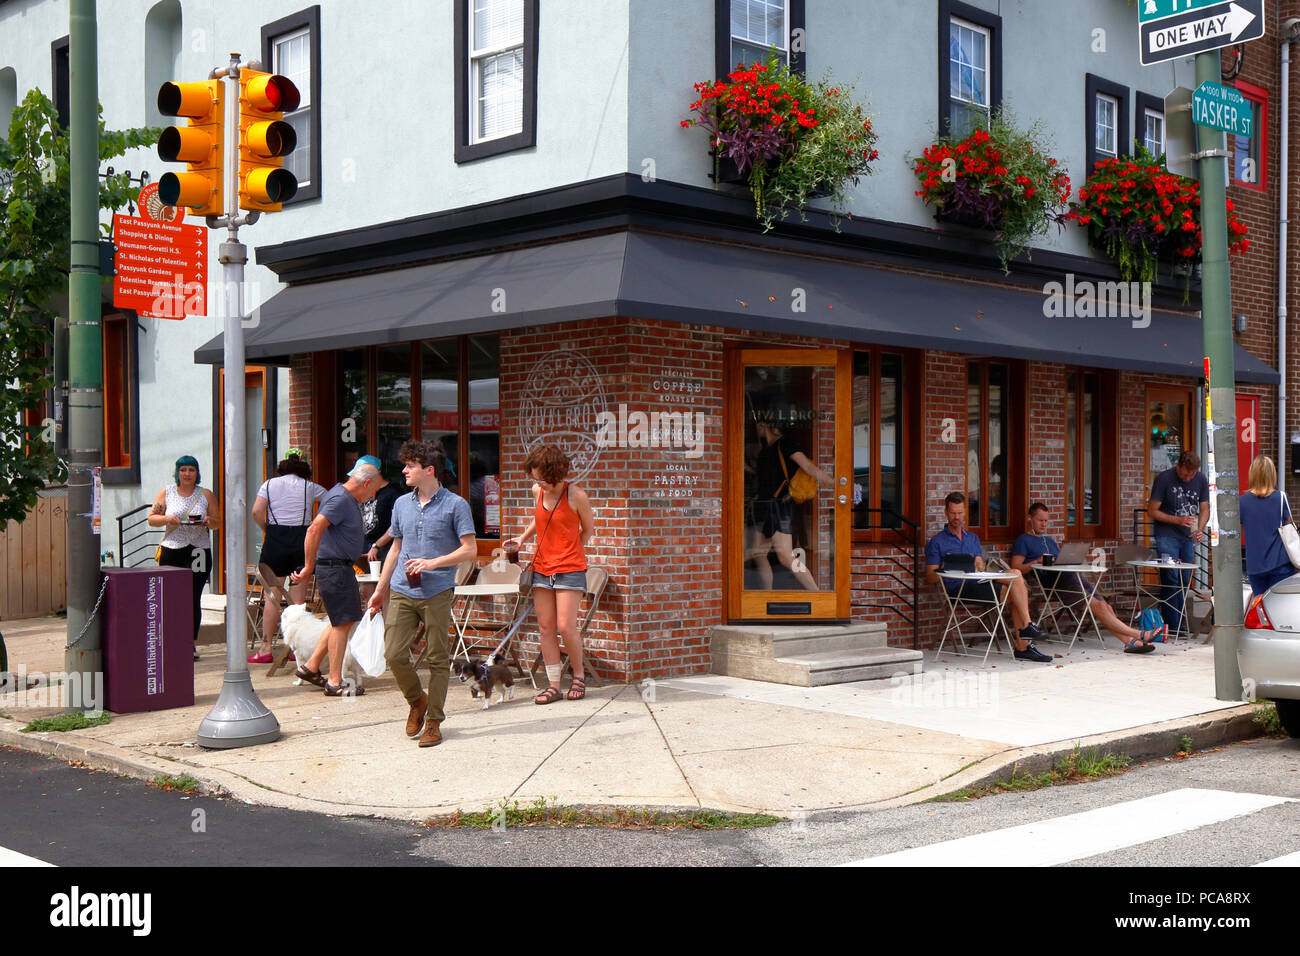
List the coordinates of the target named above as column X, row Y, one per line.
column 1141, row 743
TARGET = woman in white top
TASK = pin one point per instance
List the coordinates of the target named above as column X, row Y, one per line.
column 188, row 512
column 284, row 508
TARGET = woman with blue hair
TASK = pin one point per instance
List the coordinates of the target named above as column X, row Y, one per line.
column 187, row 512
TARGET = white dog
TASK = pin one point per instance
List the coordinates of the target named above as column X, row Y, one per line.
column 302, row 631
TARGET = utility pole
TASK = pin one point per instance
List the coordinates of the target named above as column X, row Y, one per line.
column 83, row 655
column 1216, row 309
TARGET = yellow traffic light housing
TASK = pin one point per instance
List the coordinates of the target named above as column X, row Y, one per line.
column 265, row 139
column 198, row 145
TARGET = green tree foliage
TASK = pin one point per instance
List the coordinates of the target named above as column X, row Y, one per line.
column 35, row 227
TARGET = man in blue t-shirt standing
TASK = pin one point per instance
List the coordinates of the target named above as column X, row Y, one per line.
column 335, row 538
column 1179, row 508
column 952, row 539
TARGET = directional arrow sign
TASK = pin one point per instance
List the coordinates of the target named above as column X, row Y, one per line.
column 1200, row 29
column 1221, row 107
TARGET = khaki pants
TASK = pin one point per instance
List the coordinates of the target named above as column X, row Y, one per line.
column 405, row 614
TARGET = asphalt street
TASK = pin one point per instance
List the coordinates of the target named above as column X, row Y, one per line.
column 71, row 816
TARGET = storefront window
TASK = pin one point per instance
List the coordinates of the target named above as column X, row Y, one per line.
column 455, row 402
column 440, row 402
column 484, row 436
column 392, row 406
column 879, row 449
column 1083, row 449
column 354, row 393
column 990, row 474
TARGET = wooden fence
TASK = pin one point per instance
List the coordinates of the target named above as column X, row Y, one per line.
column 33, row 560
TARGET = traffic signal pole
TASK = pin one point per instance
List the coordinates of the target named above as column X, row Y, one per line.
column 238, row 718
column 1216, row 302
column 82, row 655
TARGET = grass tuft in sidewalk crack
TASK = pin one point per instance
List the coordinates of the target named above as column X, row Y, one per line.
column 64, row 722
column 545, row 813
column 1072, row 768
column 183, row 784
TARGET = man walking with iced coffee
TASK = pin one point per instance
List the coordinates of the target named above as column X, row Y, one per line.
column 432, row 531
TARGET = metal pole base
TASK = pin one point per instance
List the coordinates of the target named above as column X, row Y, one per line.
column 238, row 718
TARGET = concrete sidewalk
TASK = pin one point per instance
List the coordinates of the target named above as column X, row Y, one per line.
column 705, row 741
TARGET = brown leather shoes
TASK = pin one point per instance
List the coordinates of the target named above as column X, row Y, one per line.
column 432, row 737
column 415, row 720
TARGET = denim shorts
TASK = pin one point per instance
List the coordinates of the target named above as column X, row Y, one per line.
column 564, row 581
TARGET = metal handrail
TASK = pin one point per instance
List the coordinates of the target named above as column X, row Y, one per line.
column 1203, row 575
column 910, row 545
column 144, row 540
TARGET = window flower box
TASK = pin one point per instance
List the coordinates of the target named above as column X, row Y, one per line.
column 1138, row 214
column 789, row 140
column 1001, row 179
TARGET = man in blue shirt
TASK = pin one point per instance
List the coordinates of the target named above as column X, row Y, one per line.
column 953, row 538
column 334, row 539
column 1029, row 549
column 1179, row 508
column 433, row 531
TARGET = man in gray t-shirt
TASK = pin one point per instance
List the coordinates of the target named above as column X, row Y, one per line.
column 334, row 541
column 1179, row 507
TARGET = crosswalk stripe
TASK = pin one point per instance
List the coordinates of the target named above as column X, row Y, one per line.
column 14, row 858
column 1291, row 859
column 1079, row 835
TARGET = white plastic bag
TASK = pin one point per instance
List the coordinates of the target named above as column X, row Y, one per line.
column 367, row 644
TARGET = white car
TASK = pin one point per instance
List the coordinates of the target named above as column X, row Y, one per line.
column 1268, row 652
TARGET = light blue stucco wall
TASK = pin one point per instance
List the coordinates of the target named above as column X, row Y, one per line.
column 888, row 49
column 614, row 82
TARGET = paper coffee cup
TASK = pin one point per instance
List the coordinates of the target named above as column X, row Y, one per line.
column 374, row 568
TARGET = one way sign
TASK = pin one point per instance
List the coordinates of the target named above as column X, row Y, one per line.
column 1207, row 27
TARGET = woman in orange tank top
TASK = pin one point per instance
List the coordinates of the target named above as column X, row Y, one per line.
column 563, row 525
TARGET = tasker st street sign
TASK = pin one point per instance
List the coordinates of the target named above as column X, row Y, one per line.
column 1199, row 29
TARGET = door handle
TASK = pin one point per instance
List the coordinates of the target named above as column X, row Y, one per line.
column 844, row 499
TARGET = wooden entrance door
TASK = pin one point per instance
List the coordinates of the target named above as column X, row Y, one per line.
column 788, row 560
column 1171, row 416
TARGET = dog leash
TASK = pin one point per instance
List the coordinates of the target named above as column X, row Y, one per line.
column 506, row 640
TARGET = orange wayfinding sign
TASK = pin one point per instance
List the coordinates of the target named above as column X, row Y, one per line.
column 161, row 265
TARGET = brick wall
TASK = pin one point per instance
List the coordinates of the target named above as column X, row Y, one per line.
column 300, row 405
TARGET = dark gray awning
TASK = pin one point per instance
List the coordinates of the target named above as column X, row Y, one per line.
column 653, row 276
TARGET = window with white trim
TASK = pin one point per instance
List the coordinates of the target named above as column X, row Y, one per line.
column 968, row 76
column 758, row 26
column 496, row 64
column 291, row 58
column 1106, row 134
column 1153, row 132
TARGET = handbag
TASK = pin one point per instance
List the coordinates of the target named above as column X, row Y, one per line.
column 802, row 487
column 367, row 644
column 1290, row 537
column 526, row 575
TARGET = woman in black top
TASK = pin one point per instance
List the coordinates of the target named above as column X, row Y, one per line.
column 778, row 461
column 377, row 516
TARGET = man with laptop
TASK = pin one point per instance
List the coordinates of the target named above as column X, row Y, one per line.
column 956, row 549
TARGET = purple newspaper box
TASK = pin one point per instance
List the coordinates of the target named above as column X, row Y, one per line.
column 148, row 639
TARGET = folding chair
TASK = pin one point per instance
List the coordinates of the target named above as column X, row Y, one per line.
column 597, row 580
column 968, row 607
column 494, row 627
column 1124, row 590
column 254, row 595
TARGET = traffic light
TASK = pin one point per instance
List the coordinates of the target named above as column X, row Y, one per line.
column 199, row 145
column 265, row 139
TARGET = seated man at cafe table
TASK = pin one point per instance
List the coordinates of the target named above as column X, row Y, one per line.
column 1029, row 549
column 952, row 539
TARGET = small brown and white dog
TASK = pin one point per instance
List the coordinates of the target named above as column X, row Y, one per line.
column 482, row 676
column 302, row 631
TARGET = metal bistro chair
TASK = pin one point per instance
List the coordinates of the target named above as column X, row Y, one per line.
column 1124, row 591
column 967, row 609
column 1057, row 602
column 420, row 643
column 597, row 581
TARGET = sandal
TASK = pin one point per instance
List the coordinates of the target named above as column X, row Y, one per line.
column 312, row 677
column 261, row 658
column 345, row 689
column 577, row 689
column 1136, row 646
column 548, row 696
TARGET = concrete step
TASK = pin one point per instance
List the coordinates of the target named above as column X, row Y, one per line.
column 777, row 641
column 809, row 656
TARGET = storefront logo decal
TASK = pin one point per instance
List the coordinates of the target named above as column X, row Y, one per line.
column 562, row 404
column 638, row 429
